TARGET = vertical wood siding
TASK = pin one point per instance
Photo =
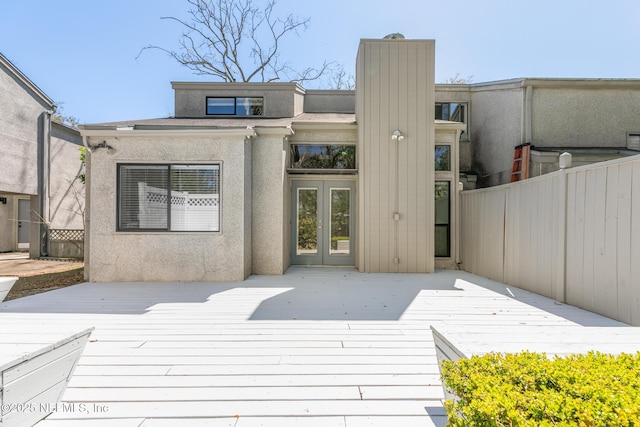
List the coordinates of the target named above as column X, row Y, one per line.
column 573, row 236
column 396, row 90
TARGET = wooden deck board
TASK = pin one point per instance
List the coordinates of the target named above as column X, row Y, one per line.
column 317, row 347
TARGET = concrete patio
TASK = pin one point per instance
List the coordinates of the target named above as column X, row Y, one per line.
column 316, row 347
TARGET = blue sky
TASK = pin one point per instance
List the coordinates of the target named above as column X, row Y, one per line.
column 82, row 53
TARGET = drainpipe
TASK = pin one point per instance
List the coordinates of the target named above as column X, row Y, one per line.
column 87, row 212
column 44, row 178
column 528, row 106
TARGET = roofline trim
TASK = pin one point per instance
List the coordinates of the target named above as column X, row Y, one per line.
column 324, row 126
column 233, row 86
column 160, row 132
column 25, row 80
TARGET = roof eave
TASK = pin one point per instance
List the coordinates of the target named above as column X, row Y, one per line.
column 25, row 80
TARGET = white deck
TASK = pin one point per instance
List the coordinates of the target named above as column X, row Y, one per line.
column 317, row 347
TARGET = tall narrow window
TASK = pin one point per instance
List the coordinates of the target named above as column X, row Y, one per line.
column 443, row 219
column 169, row 197
column 443, row 158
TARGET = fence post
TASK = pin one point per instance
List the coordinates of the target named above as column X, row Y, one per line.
column 560, row 288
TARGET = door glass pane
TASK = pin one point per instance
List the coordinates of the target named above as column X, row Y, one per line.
column 443, row 217
column 340, row 214
column 307, row 221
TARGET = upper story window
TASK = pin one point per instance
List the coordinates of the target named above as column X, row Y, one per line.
column 453, row 112
column 235, row 106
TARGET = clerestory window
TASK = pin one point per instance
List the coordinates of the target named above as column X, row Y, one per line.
column 323, row 156
column 235, row 106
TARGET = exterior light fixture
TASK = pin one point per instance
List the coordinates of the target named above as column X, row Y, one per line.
column 103, row 144
column 397, row 135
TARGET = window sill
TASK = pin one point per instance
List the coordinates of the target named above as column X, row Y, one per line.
column 293, row 171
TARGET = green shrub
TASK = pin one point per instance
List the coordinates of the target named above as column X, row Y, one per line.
column 529, row 389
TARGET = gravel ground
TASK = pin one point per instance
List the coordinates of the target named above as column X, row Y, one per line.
column 32, row 285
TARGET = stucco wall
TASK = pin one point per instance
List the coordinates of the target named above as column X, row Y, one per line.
column 496, row 129
column 580, row 117
column 20, row 121
column 66, row 191
column 280, row 99
column 269, row 185
column 183, row 256
column 330, row 101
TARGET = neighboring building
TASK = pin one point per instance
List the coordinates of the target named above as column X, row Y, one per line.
column 41, row 159
column 593, row 119
column 250, row 178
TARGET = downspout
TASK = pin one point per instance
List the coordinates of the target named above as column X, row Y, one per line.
column 44, row 184
column 528, row 106
column 87, row 211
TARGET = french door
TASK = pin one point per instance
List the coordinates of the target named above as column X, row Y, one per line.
column 322, row 219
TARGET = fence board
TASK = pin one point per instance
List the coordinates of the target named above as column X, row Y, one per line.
column 483, row 223
column 575, row 237
column 623, row 267
column 634, row 299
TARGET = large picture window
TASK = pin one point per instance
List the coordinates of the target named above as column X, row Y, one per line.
column 168, row 197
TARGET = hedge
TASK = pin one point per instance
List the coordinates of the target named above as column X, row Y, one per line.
column 530, row 389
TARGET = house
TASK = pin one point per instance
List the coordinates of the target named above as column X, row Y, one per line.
column 250, row 178
column 593, row 119
column 39, row 191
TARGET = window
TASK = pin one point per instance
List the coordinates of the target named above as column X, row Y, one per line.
column 230, row 106
column 323, row 156
column 453, row 112
column 633, row 141
column 443, row 158
column 443, row 219
column 168, row 197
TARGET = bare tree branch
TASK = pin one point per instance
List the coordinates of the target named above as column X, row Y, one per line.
column 237, row 40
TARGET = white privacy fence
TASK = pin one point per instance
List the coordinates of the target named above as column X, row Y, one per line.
column 571, row 235
column 189, row 212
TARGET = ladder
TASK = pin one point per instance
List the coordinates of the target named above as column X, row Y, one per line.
column 521, row 157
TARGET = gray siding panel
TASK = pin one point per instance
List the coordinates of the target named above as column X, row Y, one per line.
column 396, row 92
